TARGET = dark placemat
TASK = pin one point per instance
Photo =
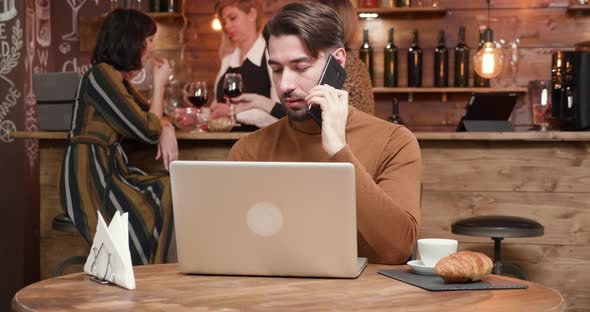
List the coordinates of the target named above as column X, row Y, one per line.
column 435, row 283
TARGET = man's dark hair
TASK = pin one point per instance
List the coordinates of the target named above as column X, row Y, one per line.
column 319, row 27
column 121, row 40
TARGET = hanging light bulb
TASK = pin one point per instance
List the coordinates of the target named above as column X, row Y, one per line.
column 216, row 24
column 487, row 62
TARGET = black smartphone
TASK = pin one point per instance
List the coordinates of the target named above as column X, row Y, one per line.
column 332, row 75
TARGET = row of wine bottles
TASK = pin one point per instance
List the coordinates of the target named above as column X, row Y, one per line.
column 371, row 4
column 165, row 5
column 415, row 55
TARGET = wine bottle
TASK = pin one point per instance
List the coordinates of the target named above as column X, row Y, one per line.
column 390, row 63
column 169, row 6
column 402, row 3
column 366, row 53
column 479, row 81
column 395, row 118
column 155, row 5
column 441, row 62
column 415, row 63
column 368, row 4
column 386, row 3
column 461, row 61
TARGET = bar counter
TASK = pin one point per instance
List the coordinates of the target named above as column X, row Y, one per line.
column 544, row 176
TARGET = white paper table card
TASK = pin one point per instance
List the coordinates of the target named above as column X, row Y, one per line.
column 110, row 259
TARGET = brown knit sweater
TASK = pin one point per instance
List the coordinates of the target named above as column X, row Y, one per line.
column 387, row 165
column 358, row 84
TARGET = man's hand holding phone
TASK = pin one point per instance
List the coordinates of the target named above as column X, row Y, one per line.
column 328, row 106
column 334, row 110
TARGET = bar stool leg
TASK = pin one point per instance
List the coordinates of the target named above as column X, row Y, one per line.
column 497, row 255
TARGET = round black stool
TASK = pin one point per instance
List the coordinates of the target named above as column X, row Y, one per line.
column 499, row 227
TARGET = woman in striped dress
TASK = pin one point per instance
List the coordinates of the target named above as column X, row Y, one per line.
column 95, row 173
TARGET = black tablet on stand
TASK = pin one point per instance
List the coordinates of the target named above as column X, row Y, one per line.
column 488, row 112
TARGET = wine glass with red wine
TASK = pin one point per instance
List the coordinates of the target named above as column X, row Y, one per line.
column 232, row 87
column 196, row 92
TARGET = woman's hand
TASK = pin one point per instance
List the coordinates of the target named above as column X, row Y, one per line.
column 167, row 146
column 220, row 110
column 248, row 101
column 161, row 72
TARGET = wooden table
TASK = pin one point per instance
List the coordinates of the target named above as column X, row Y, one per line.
column 164, row 288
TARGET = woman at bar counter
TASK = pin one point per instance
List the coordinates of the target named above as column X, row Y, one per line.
column 95, row 174
column 358, row 82
column 258, row 106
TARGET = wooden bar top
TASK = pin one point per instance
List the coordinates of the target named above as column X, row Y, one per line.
column 164, row 288
column 583, row 136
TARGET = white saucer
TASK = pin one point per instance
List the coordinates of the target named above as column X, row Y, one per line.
column 420, row 268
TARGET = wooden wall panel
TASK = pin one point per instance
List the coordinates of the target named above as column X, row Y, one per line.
column 55, row 246
column 565, row 216
column 487, row 166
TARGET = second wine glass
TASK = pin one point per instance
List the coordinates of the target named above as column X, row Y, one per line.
column 196, row 92
column 232, row 87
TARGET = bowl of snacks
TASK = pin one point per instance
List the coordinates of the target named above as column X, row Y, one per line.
column 220, row 119
column 185, row 118
column 220, row 124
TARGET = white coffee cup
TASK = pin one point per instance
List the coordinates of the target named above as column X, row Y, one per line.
column 433, row 249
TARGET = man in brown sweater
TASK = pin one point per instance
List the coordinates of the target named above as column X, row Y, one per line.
column 386, row 157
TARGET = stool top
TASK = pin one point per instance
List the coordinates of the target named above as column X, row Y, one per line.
column 498, row 226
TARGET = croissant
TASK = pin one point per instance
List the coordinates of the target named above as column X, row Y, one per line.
column 463, row 266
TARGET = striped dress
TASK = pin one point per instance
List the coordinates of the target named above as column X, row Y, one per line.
column 95, row 174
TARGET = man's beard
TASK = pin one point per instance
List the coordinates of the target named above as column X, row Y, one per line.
column 299, row 115
column 295, row 115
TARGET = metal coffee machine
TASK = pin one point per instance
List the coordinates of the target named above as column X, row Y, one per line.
column 570, row 94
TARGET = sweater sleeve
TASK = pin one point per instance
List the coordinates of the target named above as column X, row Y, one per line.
column 107, row 93
column 239, row 151
column 388, row 207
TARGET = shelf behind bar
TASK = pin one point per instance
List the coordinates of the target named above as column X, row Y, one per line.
column 448, row 90
column 444, row 91
column 392, row 11
column 578, row 8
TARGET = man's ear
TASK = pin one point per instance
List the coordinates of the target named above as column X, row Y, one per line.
column 340, row 56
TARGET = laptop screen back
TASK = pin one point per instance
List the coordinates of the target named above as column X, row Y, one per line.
column 265, row 218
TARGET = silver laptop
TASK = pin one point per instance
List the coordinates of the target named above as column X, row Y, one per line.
column 266, row 218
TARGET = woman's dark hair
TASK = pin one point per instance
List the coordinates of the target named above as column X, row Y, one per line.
column 121, row 40
column 319, row 27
